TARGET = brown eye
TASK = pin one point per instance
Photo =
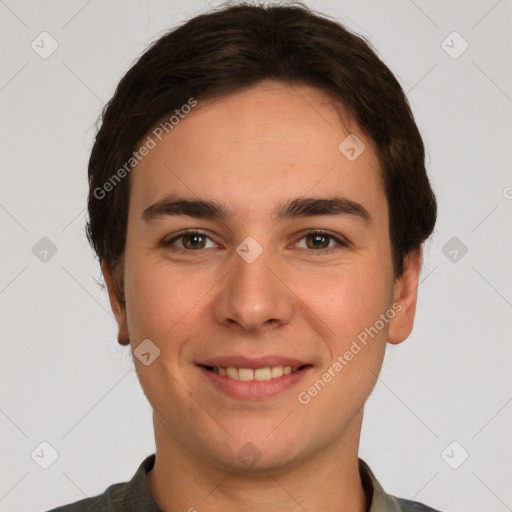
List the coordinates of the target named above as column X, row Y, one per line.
column 319, row 241
column 193, row 241
column 188, row 241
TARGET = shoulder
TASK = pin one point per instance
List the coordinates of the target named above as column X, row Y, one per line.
column 414, row 506
column 131, row 496
column 380, row 501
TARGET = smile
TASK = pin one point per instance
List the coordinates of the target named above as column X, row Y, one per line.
column 248, row 374
column 257, row 378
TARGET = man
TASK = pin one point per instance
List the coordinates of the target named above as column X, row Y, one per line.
column 258, row 202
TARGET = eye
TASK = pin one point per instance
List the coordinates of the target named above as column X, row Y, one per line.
column 190, row 240
column 193, row 241
column 319, row 240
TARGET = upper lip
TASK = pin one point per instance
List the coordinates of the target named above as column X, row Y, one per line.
column 252, row 362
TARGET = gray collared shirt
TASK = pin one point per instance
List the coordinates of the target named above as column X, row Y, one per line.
column 135, row 496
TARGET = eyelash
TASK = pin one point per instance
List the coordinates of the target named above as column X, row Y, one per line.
column 168, row 244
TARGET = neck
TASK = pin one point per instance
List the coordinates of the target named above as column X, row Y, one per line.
column 329, row 481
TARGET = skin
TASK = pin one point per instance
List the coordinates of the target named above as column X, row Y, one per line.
column 252, row 151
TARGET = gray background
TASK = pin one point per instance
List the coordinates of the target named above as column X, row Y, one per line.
column 66, row 381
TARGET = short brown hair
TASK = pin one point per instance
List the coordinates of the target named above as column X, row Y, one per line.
column 235, row 47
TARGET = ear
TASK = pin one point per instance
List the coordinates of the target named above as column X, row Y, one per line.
column 405, row 297
column 116, row 300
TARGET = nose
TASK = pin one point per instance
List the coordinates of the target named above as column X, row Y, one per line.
column 252, row 295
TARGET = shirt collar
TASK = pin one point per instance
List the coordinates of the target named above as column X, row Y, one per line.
column 138, row 496
column 379, row 500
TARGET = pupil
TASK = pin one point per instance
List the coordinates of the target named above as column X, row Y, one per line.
column 318, row 238
column 195, row 238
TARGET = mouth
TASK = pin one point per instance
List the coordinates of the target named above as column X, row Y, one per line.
column 259, row 374
column 253, row 378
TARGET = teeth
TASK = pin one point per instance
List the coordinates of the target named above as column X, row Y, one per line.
column 260, row 374
column 276, row 371
column 263, row 374
column 232, row 373
column 245, row 374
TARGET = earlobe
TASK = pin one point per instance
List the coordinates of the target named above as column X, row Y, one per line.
column 405, row 298
column 117, row 302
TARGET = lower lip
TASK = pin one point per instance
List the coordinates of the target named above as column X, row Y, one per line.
column 255, row 389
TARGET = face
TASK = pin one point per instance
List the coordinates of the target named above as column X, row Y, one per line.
column 274, row 280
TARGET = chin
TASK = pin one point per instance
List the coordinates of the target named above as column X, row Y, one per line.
column 258, row 453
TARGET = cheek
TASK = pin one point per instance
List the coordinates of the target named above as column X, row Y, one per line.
column 347, row 299
column 163, row 299
column 338, row 301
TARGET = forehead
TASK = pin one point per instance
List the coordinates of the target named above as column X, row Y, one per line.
column 262, row 145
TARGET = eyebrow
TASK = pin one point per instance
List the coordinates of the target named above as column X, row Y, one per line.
column 298, row 207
